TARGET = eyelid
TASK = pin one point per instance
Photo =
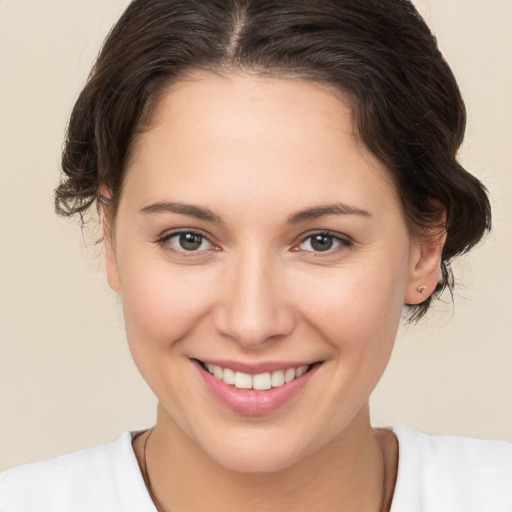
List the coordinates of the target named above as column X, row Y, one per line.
column 176, row 231
column 163, row 240
column 344, row 240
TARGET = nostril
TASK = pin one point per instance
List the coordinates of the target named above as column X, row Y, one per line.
column 254, row 327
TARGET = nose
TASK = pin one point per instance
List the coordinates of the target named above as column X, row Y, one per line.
column 253, row 308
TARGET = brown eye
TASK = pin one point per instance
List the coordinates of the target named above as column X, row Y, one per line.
column 186, row 241
column 322, row 242
column 190, row 241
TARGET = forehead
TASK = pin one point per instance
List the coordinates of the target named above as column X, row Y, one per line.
column 257, row 137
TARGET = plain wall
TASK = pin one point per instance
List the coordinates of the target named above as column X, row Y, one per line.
column 66, row 377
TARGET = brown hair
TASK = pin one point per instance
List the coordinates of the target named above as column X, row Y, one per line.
column 407, row 107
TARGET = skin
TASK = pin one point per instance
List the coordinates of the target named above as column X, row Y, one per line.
column 255, row 151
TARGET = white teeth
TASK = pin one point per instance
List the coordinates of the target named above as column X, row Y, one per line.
column 243, row 380
column 301, row 370
column 277, row 378
column 289, row 375
column 262, row 381
column 259, row 382
column 229, row 376
column 218, row 372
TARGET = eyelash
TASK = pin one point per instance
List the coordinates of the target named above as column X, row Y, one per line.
column 343, row 242
column 165, row 242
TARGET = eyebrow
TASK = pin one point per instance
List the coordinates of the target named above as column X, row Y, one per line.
column 330, row 209
column 198, row 212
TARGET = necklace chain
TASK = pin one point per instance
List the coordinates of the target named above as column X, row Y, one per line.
column 384, row 480
column 158, row 505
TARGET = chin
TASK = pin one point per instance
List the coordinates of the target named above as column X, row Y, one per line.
column 256, row 450
column 257, row 461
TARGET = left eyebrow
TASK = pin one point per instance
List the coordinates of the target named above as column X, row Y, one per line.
column 191, row 210
column 329, row 209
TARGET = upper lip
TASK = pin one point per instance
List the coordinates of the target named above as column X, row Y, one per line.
column 256, row 368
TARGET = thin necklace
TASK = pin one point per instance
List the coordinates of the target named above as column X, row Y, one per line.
column 383, row 507
column 160, row 507
column 385, row 477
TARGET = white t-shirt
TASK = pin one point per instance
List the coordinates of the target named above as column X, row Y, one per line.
column 435, row 474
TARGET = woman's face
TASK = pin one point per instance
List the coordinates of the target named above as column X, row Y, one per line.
column 256, row 235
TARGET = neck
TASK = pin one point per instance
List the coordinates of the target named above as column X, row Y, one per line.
column 183, row 477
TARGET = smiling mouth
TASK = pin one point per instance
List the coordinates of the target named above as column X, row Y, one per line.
column 258, row 382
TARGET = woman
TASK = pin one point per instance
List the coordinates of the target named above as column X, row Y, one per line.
column 276, row 180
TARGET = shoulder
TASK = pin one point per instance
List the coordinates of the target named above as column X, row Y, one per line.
column 452, row 473
column 103, row 478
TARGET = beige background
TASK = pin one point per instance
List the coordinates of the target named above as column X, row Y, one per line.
column 66, row 377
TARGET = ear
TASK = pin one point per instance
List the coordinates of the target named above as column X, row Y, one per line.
column 108, row 242
column 425, row 264
column 111, row 264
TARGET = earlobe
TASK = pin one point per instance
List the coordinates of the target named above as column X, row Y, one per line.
column 108, row 244
column 425, row 265
column 111, row 264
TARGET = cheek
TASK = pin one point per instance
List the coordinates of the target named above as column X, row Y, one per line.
column 357, row 306
column 357, row 310
column 162, row 306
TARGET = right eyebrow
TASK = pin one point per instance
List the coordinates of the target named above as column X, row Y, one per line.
column 329, row 209
column 199, row 212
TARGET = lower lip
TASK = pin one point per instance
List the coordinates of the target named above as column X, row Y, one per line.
column 249, row 401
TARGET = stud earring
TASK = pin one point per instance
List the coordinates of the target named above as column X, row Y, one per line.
column 421, row 289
